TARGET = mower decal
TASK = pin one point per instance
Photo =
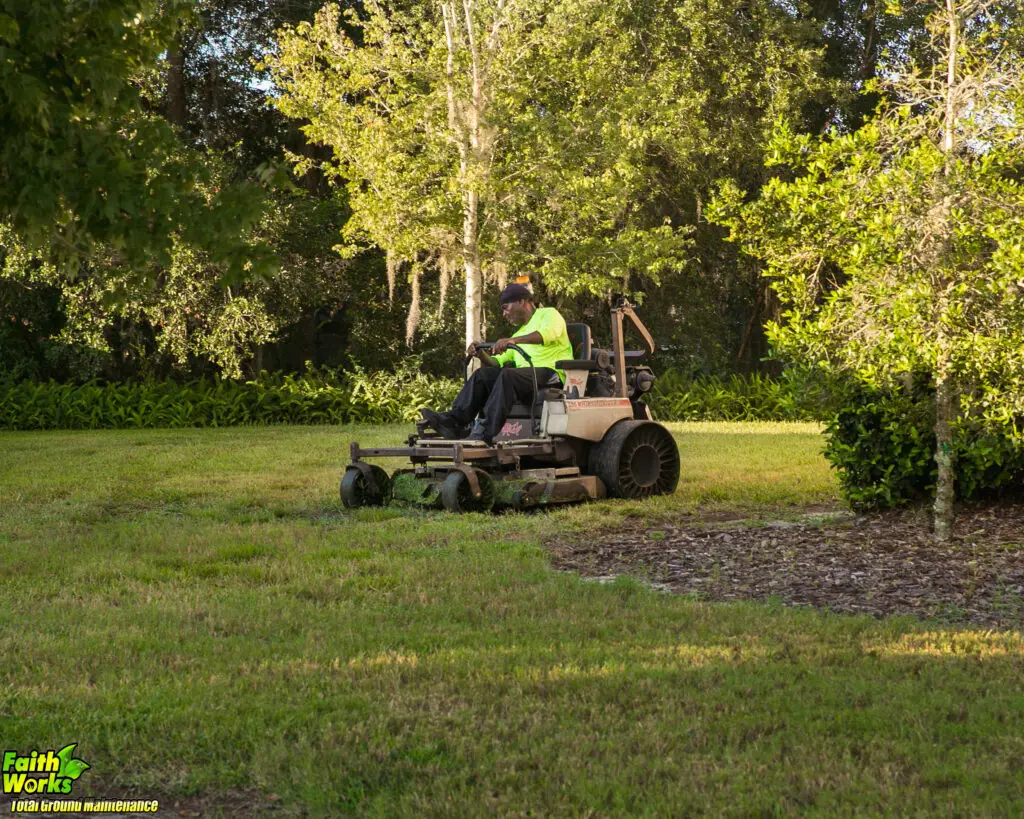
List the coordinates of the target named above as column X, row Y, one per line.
column 597, row 403
column 511, row 428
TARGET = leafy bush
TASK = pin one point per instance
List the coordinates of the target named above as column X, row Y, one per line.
column 738, row 398
column 323, row 396
column 317, row 397
column 882, row 445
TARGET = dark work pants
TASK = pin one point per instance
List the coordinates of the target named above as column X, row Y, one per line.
column 493, row 390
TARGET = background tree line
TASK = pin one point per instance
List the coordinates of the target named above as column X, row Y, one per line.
column 608, row 127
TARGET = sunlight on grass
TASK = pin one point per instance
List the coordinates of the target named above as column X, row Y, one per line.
column 979, row 645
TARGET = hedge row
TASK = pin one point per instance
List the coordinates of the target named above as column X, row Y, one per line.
column 882, row 446
column 314, row 398
column 341, row 397
column 737, row 398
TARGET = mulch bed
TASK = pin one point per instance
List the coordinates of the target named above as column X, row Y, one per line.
column 883, row 564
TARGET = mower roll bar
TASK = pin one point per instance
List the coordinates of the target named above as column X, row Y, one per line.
column 622, row 310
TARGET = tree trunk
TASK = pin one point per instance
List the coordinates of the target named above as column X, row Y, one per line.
column 176, row 110
column 946, row 397
column 466, row 136
column 945, row 414
column 474, row 276
column 412, row 321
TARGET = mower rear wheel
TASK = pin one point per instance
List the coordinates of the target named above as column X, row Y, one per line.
column 356, row 490
column 457, row 496
column 636, row 459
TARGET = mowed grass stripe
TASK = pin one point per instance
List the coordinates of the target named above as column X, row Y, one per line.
column 200, row 614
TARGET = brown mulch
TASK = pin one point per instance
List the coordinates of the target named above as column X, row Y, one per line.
column 883, row 564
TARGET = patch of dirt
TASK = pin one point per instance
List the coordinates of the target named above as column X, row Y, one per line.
column 883, row 564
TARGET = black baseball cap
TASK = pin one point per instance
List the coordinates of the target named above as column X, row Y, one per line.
column 514, row 292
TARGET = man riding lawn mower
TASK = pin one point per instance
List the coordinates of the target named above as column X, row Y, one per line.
column 505, row 377
column 547, row 419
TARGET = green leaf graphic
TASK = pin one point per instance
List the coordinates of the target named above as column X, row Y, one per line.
column 76, row 768
column 70, row 768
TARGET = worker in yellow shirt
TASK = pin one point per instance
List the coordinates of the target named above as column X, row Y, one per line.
column 505, row 376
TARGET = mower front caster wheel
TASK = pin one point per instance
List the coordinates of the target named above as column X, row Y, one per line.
column 457, row 496
column 357, row 491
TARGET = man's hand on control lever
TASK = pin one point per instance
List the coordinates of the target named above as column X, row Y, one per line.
column 503, row 344
column 482, row 354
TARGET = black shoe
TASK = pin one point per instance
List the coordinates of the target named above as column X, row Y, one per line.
column 431, row 418
column 443, row 424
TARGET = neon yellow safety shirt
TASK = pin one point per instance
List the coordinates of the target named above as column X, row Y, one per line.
column 556, row 347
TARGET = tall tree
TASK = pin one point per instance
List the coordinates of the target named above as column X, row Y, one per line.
column 404, row 101
column 485, row 133
column 897, row 248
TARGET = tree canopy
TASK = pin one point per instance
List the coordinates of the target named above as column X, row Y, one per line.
column 539, row 135
column 82, row 161
column 580, row 141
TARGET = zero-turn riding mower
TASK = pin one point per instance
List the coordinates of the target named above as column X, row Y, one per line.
column 592, row 438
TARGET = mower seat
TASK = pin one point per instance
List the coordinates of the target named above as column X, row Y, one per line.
column 579, row 368
column 579, row 338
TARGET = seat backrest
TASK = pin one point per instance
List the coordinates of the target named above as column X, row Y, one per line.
column 579, row 338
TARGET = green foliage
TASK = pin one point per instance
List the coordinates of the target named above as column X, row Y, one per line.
column 318, row 397
column 896, row 250
column 596, row 118
column 225, row 100
column 398, row 395
column 107, row 320
column 628, row 113
column 881, row 446
column 323, row 396
column 81, row 160
column 756, row 397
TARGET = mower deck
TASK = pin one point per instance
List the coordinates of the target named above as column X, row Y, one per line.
column 422, row 450
column 443, row 476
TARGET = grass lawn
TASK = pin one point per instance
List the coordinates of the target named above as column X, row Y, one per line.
column 197, row 611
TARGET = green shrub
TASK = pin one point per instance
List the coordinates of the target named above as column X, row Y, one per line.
column 317, row 397
column 882, row 445
column 882, row 448
column 756, row 397
column 326, row 396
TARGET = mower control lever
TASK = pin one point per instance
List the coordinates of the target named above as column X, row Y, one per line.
column 487, row 346
column 521, row 352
